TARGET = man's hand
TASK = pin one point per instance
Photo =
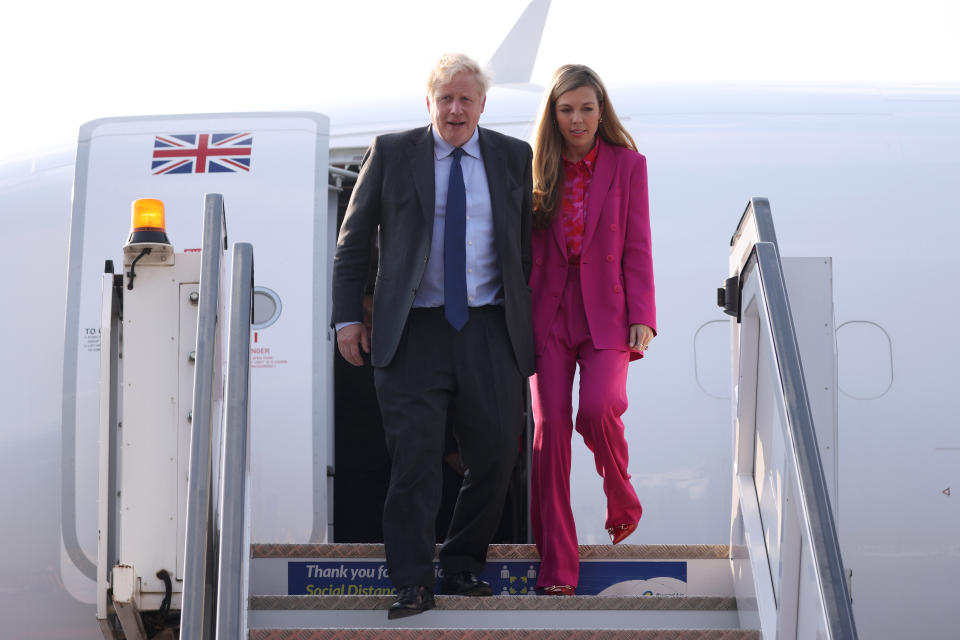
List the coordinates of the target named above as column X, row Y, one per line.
column 350, row 340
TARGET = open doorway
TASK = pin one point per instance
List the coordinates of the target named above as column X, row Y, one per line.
column 362, row 465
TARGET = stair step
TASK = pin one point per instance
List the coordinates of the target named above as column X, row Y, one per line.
column 606, row 570
column 502, row 634
column 498, row 603
column 349, row 551
column 497, row 612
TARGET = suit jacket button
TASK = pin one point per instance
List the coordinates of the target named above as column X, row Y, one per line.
column 539, row 260
column 616, row 288
column 609, row 258
column 613, row 227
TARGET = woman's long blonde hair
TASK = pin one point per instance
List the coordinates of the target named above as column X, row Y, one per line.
column 548, row 142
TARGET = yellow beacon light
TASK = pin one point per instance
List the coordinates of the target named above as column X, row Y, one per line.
column 147, row 222
column 148, row 240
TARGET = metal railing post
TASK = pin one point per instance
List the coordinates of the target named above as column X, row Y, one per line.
column 196, row 616
column 231, row 575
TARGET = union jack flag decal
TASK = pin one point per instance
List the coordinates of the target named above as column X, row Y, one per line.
column 202, row 153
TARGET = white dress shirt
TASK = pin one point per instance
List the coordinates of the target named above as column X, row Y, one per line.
column 483, row 268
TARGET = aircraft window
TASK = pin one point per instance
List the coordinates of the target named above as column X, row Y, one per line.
column 864, row 360
column 266, row 307
column 711, row 358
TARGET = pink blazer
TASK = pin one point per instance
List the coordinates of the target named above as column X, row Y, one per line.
column 616, row 264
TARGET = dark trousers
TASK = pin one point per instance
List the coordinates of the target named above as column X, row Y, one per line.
column 434, row 366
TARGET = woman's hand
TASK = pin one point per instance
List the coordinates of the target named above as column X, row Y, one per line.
column 640, row 337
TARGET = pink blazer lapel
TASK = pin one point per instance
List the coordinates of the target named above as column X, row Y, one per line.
column 558, row 232
column 599, row 187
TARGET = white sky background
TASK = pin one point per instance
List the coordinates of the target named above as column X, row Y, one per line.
column 64, row 63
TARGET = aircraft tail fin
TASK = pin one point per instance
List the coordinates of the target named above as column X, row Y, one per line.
column 512, row 62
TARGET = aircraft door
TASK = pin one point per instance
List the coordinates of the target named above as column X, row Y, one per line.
column 271, row 170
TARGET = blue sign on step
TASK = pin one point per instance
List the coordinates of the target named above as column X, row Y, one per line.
column 597, row 577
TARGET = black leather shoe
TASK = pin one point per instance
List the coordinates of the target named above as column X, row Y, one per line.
column 412, row 599
column 465, row 583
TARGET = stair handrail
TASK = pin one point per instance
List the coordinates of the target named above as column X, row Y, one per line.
column 761, row 253
column 233, row 524
column 756, row 225
column 199, row 577
column 824, row 541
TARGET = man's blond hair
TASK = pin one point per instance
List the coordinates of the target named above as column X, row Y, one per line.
column 450, row 64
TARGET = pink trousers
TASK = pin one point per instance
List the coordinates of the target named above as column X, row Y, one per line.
column 603, row 399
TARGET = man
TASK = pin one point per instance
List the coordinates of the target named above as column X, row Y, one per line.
column 451, row 322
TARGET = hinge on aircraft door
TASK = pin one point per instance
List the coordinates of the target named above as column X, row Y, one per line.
column 728, row 297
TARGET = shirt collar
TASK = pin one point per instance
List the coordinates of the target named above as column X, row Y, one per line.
column 442, row 148
column 588, row 160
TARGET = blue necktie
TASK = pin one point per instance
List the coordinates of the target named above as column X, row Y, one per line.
column 454, row 251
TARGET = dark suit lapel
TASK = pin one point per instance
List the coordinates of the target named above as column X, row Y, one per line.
column 495, row 166
column 420, row 155
column 599, row 187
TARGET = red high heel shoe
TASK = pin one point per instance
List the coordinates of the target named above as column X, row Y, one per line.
column 621, row 531
column 559, row 590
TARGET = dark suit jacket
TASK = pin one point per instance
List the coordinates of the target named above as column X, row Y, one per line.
column 395, row 191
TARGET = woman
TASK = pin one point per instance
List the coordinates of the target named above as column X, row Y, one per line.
column 593, row 305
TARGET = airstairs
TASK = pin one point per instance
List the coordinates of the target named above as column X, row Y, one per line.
column 780, row 575
column 513, row 610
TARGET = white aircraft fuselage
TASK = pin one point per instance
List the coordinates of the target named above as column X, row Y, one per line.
column 866, row 176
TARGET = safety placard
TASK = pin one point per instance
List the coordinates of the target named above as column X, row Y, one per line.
column 600, row 577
